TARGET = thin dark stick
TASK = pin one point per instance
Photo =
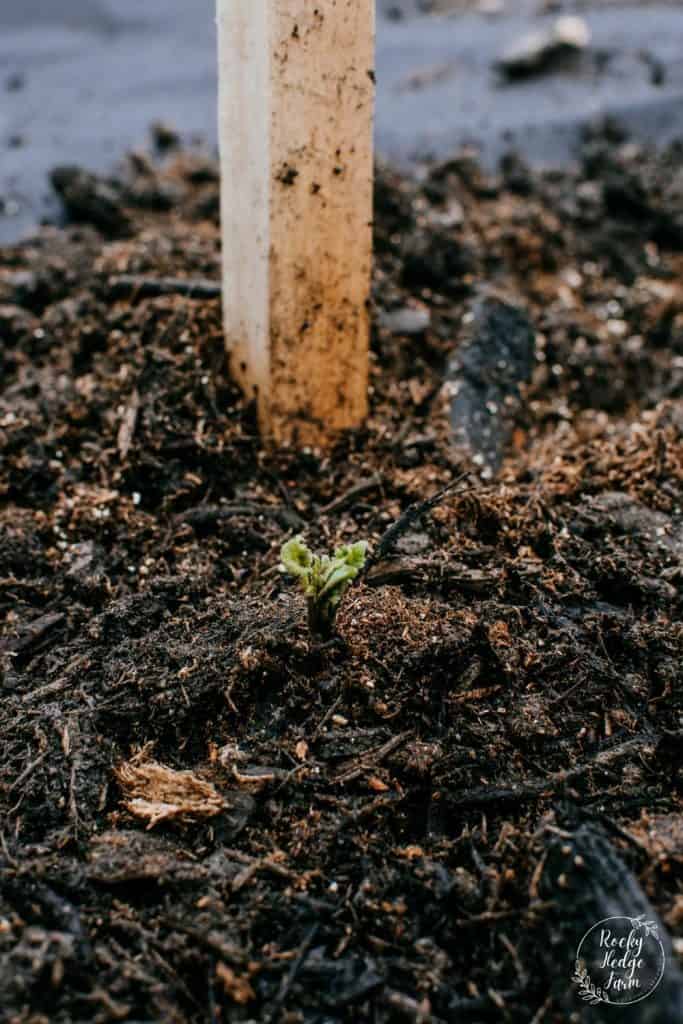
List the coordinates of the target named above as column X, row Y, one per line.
column 206, row 516
column 127, row 285
column 406, row 520
column 288, row 981
column 359, row 490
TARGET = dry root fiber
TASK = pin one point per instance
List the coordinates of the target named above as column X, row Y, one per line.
column 156, row 793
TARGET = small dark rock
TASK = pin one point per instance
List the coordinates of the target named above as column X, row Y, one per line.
column 539, row 51
column 164, row 136
column 20, row 288
column 90, row 199
column 15, row 82
column 517, row 174
column 393, row 209
column 153, row 196
column 203, row 172
column 15, row 323
column 655, row 67
column 626, row 195
column 208, row 207
column 438, row 261
column 485, row 375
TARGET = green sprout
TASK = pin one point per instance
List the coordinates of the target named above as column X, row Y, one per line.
column 324, row 579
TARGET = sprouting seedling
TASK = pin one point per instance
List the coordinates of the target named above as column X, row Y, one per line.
column 324, row 579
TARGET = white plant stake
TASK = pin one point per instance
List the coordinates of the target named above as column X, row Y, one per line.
column 296, row 119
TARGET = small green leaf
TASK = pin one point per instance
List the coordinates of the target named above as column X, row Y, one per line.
column 323, row 579
column 356, row 554
column 339, row 575
column 296, row 557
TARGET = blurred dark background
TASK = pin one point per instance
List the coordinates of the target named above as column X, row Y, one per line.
column 82, row 80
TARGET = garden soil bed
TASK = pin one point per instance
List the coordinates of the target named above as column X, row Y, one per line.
column 418, row 819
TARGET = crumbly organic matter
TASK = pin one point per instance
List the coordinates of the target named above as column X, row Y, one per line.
column 379, row 824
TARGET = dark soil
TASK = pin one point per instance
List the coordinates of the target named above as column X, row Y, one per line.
column 418, row 820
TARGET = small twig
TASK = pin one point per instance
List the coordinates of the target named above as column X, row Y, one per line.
column 254, row 865
column 567, row 693
column 290, row 978
column 28, row 770
column 286, row 778
column 360, row 489
column 5, row 849
column 127, row 285
column 370, row 759
column 409, row 1009
column 32, row 632
column 128, row 424
column 539, row 1016
column 205, row 516
column 214, row 942
column 425, row 570
column 214, row 1011
column 493, row 916
column 405, row 521
column 366, row 811
column 536, row 789
column 512, row 950
column 326, row 717
column 463, row 1009
column 57, row 685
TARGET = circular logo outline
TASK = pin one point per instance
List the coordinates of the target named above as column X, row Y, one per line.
column 595, row 994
